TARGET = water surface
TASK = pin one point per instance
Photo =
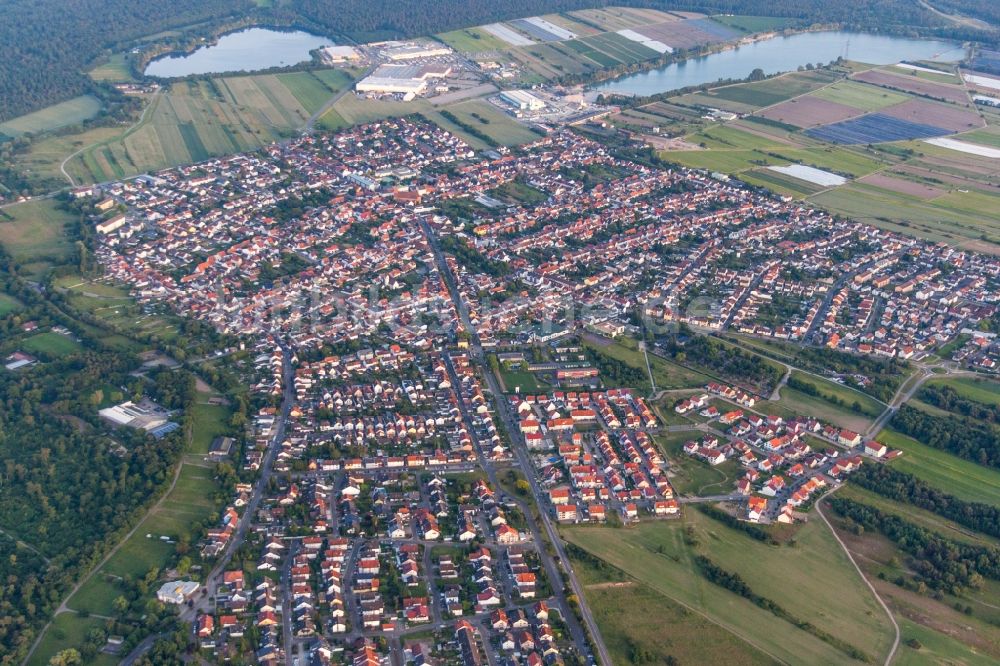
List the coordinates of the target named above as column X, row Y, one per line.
column 244, row 51
column 783, row 54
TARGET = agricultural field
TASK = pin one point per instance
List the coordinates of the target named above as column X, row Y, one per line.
column 471, row 40
column 910, row 84
column 64, row 114
column 814, row 581
column 859, row 95
column 36, row 230
column 972, row 388
column 753, row 24
column 874, row 128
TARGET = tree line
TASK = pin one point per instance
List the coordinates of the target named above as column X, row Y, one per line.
column 900, row 486
column 729, row 362
column 950, row 400
column 940, row 563
column 964, row 437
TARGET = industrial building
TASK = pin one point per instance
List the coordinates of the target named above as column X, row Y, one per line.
column 522, row 100
column 334, row 54
column 397, row 51
column 402, row 79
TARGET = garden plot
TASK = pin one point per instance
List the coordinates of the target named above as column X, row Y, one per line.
column 544, row 30
column 907, row 187
column 964, row 147
column 678, row 34
column 810, row 174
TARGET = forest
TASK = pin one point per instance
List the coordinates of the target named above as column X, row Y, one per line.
column 47, row 45
column 963, row 437
column 902, row 487
column 939, row 563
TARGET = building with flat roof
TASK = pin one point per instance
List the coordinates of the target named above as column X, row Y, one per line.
column 522, row 100
column 177, row 591
column 410, row 50
column 339, row 53
column 402, row 79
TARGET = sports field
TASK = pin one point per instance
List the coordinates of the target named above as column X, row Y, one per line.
column 70, row 112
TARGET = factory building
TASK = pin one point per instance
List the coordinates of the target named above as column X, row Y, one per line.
column 522, row 100
column 402, row 79
column 409, row 51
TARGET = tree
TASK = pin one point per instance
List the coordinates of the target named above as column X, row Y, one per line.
column 120, row 605
column 757, row 75
column 68, row 657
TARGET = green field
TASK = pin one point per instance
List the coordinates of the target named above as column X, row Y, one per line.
column 861, row 96
column 37, row 230
column 730, row 138
column 70, row 112
column 115, row 70
column 726, row 161
column 666, row 374
column 8, row 304
column 690, row 476
column 313, row 88
column 51, row 344
column 774, row 90
column 754, row 23
column 814, row 581
column 779, row 183
column 963, row 479
column 471, row 40
column 634, row 618
column 849, row 161
column 68, row 630
column 973, row 388
column 499, row 126
column 935, row 648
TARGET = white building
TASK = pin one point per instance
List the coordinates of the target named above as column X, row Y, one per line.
column 339, row 53
column 411, row 50
column 522, row 100
column 177, row 591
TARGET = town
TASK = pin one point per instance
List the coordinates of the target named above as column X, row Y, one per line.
column 403, row 294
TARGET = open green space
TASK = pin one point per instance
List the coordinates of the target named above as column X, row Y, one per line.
column 8, row 304
column 813, row 580
column 666, row 374
column 848, row 161
column 68, row 630
column 963, row 479
column 935, row 648
column 63, row 114
column 49, row 343
column 313, row 88
column 635, row 619
column 36, row 230
column 690, row 476
column 114, row 70
column 922, row 517
column 973, row 388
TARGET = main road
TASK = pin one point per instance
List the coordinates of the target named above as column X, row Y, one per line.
column 518, row 445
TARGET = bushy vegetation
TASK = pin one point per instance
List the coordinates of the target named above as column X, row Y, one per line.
column 939, row 563
column 949, row 400
column 750, row 529
column 963, row 437
column 902, row 487
column 729, row 362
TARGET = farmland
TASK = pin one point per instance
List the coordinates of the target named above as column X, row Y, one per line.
column 70, row 112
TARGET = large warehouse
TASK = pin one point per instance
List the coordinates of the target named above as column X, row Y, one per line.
column 522, row 100
column 403, row 79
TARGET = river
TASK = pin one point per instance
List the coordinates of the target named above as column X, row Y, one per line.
column 244, row 51
column 783, row 54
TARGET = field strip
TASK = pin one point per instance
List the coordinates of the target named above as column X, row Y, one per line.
column 895, row 626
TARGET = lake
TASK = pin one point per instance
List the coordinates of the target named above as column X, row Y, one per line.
column 244, row 51
column 783, row 54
